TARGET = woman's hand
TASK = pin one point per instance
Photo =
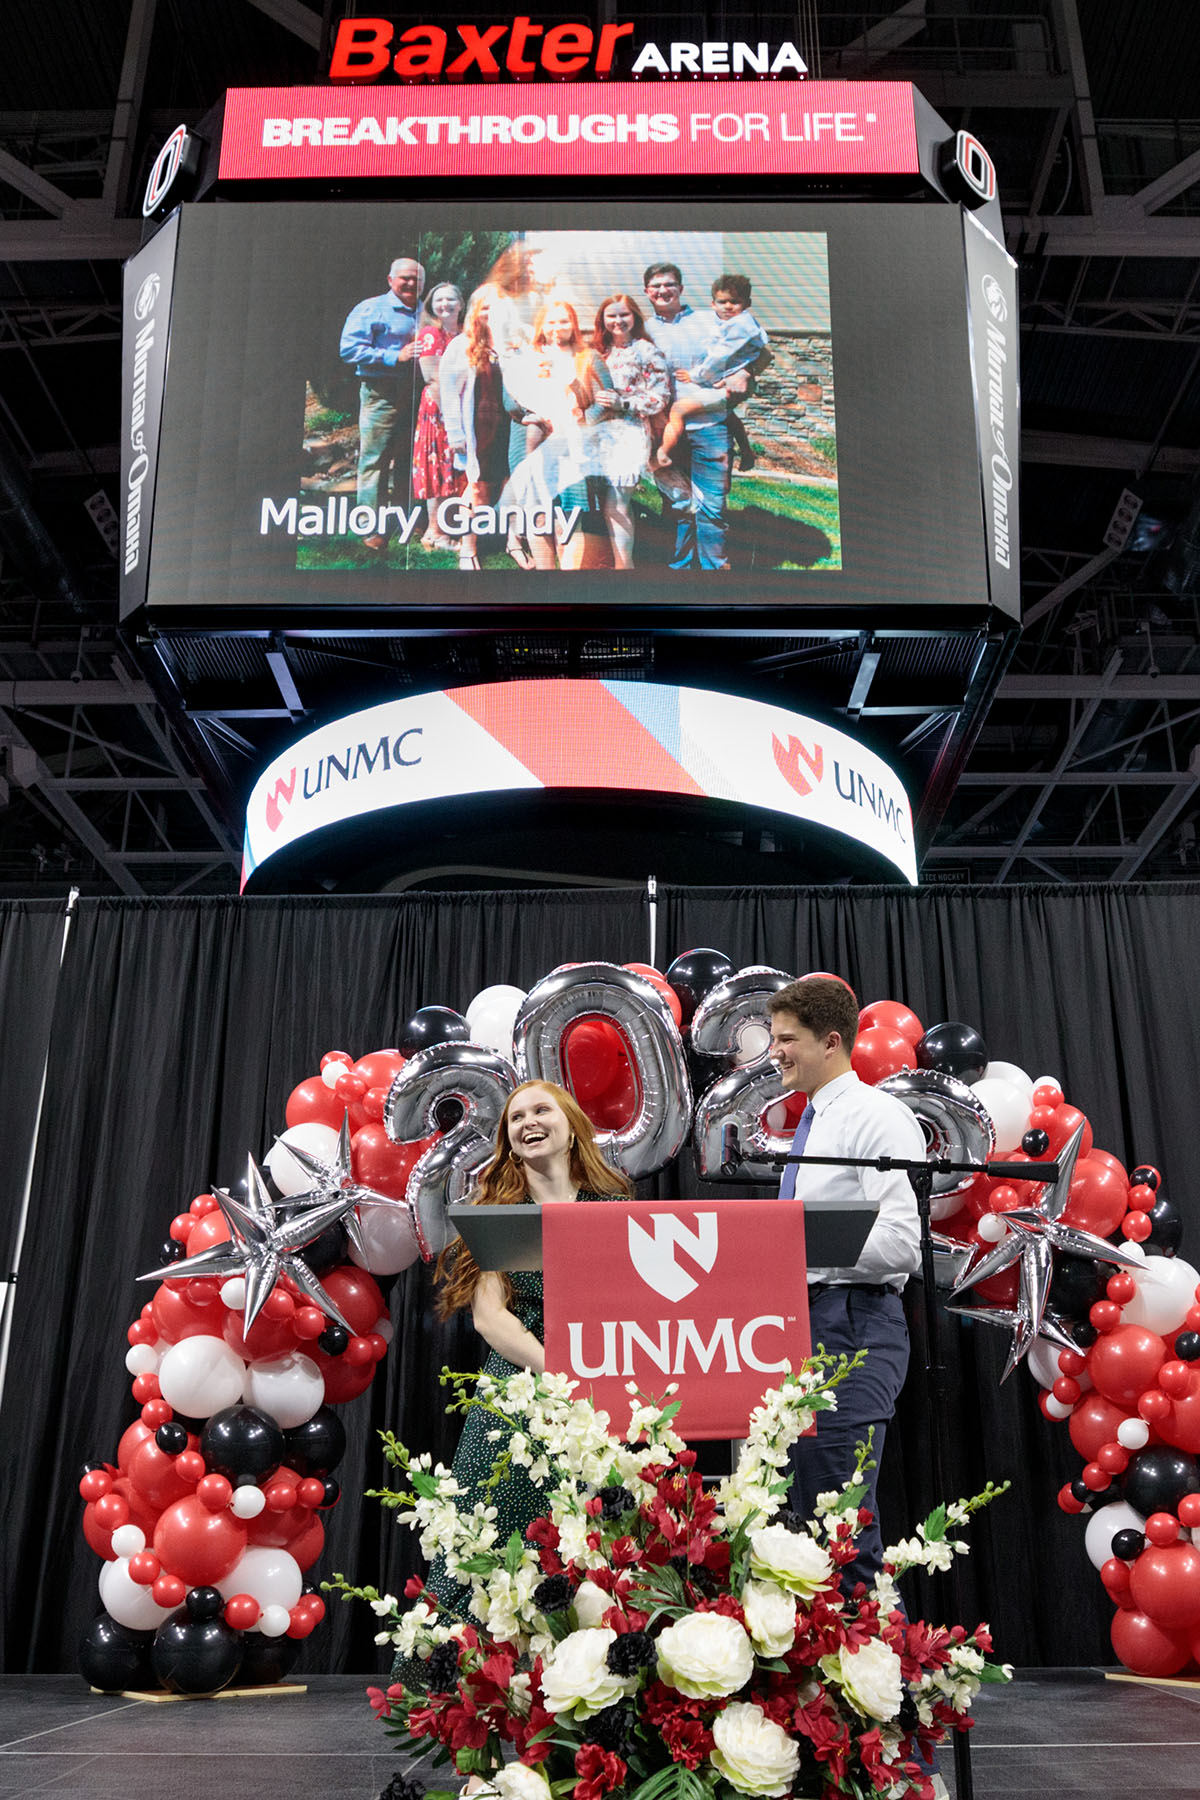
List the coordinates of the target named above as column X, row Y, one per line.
column 608, row 400
column 501, row 1330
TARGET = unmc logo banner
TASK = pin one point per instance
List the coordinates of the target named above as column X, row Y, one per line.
column 710, row 1295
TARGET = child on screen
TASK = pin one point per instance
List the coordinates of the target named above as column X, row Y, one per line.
column 737, row 342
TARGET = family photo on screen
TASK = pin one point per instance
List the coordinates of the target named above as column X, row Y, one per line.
column 578, row 400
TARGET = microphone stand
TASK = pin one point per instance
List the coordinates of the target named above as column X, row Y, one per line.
column 920, row 1173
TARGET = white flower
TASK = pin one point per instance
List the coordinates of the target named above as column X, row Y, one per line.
column 519, row 1782
column 755, row 1755
column 705, row 1655
column 381, row 1607
column 870, row 1678
column 792, row 1558
column 578, row 1681
column 770, row 1617
column 590, row 1603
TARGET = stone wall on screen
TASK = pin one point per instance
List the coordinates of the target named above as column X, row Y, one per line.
column 790, row 417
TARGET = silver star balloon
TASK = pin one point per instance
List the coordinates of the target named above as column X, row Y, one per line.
column 261, row 1247
column 334, row 1181
column 1034, row 1233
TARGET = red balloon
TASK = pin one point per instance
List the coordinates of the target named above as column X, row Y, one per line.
column 1094, row 1423
column 99, row 1537
column 1165, row 1582
column 211, row 1231
column 879, row 1052
column 131, row 1437
column 175, row 1316
column 826, row 975
column 1137, row 1226
column 379, row 1163
column 592, row 1053
column 1047, row 1094
column 198, row 1545
column 343, row 1380
column 312, row 1103
column 155, row 1476
column 357, row 1297
column 1067, row 1120
column 215, row 1492
column 1125, row 1362
column 168, row 1590
column 1098, row 1198
column 1182, row 1426
column 1106, row 1156
column 242, row 1612
column 616, row 1108
column 308, row 1322
column 278, row 1530
column 1146, row 1648
column 144, row 1568
column 1115, row 1576
column 307, row 1546
column 379, row 1068
column 658, row 980
column 267, row 1338
column 893, row 1016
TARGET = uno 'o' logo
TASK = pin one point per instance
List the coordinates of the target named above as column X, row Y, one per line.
column 993, row 299
column 167, row 165
column 147, row 294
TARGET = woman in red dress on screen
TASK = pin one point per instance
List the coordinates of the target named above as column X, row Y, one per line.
column 434, row 475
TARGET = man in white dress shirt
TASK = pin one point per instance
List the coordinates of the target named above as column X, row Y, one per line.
column 814, row 1022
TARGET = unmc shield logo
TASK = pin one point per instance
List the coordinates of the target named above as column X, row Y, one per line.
column 993, row 299
column 147, row 294
column 654, row 1256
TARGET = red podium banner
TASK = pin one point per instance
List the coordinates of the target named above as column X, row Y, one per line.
column 710, row 1294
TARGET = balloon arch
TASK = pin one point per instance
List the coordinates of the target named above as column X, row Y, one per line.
column 266, row 1314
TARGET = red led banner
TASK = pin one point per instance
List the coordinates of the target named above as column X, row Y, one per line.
column 552, row 129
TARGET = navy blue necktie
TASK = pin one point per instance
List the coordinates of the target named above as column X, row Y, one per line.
column 787, row 1187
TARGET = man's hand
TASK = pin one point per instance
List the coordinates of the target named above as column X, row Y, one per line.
column 407, row 354
column 738, row 382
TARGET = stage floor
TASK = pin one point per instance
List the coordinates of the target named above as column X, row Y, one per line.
column 1052, row 1734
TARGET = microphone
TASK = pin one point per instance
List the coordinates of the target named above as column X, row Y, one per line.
column 730, row 1150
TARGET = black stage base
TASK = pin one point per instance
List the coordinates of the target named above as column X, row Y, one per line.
column 1053, row 1735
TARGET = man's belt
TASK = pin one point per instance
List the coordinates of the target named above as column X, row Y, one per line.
column 816, row 1288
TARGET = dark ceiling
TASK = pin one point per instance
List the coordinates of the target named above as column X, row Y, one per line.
column 1086, row 766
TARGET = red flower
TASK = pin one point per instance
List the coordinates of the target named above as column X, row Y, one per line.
column 687, row 1740
column 414, row 1587
column 529, row 1728
column 870, row 1749
column 829, row 1737
column 544, row 1532
column 983, row 1639
column 623, row 1553
column 599, row 1771
column 381, row 1706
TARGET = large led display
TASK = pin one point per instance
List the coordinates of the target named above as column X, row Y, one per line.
column 597, row 736
column 379, row 406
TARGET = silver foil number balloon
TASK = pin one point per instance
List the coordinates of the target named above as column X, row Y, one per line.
column 742, row 1098
column 600, row 990
column 481, row 1081
column 955, row 1121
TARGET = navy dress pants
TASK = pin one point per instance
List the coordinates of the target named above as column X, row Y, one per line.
column 846, row 1319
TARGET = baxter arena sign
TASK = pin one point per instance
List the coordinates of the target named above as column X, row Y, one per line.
column 365, row 49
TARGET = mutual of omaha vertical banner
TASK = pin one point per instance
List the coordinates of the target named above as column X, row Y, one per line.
column 711, row 1295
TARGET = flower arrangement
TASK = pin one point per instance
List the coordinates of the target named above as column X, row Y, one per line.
column 653, row 1639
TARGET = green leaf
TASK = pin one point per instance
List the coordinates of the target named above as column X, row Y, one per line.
column 513, row 1552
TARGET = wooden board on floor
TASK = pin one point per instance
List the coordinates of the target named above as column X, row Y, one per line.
column 157, row 1696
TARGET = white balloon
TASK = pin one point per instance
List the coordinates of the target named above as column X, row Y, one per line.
column 200, row 1376
column 752, row 1040
column 1006, row 1071
column 332, row 1073
column 127, row 1540
column 1042, row 1362
column 1058, row 1409
column 775, row 1118
column 247, row 1502
column 272, row 1576
column 233, row 1293
column 288, row 1388
column 273, row 1621
column 992, row 1228
column 1049, row 1081
column 1008, row 1106
column 384, row 1328
column 491, row 1016
column 141, row 1359
column 1166, row 1288
column 285, row 1171
column 1103, row 1527
column 388, row 1237
column 1133, row 1434
column 127, row 1601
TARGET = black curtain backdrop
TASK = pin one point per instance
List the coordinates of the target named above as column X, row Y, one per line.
column 179, row 1028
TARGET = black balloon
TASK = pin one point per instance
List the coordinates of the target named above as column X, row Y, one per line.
column 171, row 1250
column 695, row 974
column 1076, row 1283
column 1166, row 1229
column 1187, row 1346
column 1035, row 1142
column 333, row 1339
column 316, row 1446
column 433, row 1025
column 1145, row 1175
column 171, row 1438
column 204, row 1603
column 240, row 1441
column 327, row 1251
column 1128, row 1544
column 195, row 1656
column 113, row 1658
column 266, row 1660
column 953, row 1048
column 333, row 1492
column 1156, row 1480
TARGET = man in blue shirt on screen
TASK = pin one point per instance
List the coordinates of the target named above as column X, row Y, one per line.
column 684, row 337
column 378, row 338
